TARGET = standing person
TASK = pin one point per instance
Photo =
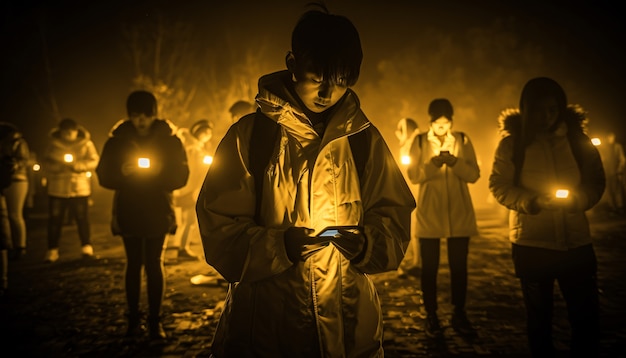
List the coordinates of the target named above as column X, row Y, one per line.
column 614, row 161
column 237, row 110
column 8, row 164
column 68, row 162
column 15, row 147
column 143, row 161
column 544, row 149
column 293, row 292
column 406, row 130
column 443, row 162
column 194, row 139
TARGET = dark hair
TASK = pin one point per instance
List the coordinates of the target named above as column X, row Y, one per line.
column 543, row 87
column 440, row 107
column 241, row 108
column 328, row 45
column 68, row 124
column 142, row 102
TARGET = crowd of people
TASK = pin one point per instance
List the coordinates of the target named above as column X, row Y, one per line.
column 293, row 215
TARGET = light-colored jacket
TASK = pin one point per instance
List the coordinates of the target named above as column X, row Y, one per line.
column 444, row 204
column 276, row 307
column 73, row 179
column 196, row 153
column 549, row 165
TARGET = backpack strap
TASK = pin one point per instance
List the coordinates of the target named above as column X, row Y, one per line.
column 359, row 144
column 262, row 143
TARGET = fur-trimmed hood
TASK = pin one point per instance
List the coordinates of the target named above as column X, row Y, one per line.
column 510, row 120
column 83, row 137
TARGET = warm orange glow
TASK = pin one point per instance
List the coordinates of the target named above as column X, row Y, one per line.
column 208, row 159
column 406, row 160
column 562, row 193
column 36, row 167
column 68, row 158
column 88, row 174
column 143, row 162
column 596, row 141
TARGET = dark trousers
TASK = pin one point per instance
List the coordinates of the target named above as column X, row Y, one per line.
column 458, row 248
column 78, row 208
column 144, row 252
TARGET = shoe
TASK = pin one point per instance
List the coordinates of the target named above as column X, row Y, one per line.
column 155, row 329
column 204, row 280
column 134, row 328
column 414, row 271
column 52, row 255
column 171, row 256
column 461, row 324
column 87, row 251
column 432, row 327
column 184, row 255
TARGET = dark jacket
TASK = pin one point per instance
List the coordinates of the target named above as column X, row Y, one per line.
column 142, row 205
column 14, row 148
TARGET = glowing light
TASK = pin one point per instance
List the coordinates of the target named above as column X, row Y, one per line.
column 208, row 159
column 88, row 174
column 36, row 167
column 561, row 193
column 68, row 158
column 405, row 159
column 143, row 162
column 596, row 141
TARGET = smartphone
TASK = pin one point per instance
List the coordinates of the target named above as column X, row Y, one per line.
column 444, row 152
column 333, row 231
column 561, row 193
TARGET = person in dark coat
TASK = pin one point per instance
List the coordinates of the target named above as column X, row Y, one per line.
column 143, row 161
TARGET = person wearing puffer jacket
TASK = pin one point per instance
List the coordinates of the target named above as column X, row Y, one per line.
column 548, row 174
column 68, row 163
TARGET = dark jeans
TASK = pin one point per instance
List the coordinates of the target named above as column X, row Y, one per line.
column 78, row 208
column 144, row 252
column 575, row 273
column 458, row 248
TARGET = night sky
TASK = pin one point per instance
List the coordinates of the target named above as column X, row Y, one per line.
column 74, row 59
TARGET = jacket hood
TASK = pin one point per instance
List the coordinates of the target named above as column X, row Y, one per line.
column 278, row 103
column 125, row 129
column 83, row 137
column 510, row 120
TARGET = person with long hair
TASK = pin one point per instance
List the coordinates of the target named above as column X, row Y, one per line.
column 548, row 174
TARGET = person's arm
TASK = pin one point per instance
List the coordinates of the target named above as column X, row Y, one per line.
column 387, row 205
column 89, row 160
column 592, row 177
column 109, row 168
column 175, row 173
column 466, row 166
column 501, row 181
column 234, row 244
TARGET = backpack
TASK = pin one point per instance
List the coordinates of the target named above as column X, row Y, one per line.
column 263, row 141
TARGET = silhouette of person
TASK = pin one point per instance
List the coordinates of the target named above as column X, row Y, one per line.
column 547, row 172
column 144, row 162
column 406, row 130
column 443, row 163
column 295, row 292
column 16, row 148
column 614, row 160
column 68, row 162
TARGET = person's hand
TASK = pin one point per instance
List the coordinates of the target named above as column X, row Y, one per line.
column 300, row 243
column 350, row 242
column 549, row 202
column 437, row 161
column 129, row 168
column 448, row 159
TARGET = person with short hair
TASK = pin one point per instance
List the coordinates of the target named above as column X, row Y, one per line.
column 297, row 289
column 144, row 162
column 68, row 163
column 443, row 163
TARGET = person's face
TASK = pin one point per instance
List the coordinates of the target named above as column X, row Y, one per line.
column 69, row 135
column 541, row 115
column 317, row 93
column 441, row 126
column 142, row 123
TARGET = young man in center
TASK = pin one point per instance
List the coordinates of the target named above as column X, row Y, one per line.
column 293, row 292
